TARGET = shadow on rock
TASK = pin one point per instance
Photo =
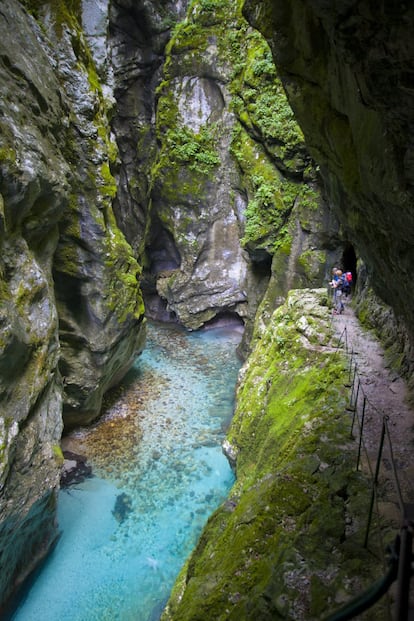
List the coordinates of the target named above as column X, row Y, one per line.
column 75, row 469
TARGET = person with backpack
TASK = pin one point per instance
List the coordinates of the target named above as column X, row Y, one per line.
column 337, row 284
column 347, row 283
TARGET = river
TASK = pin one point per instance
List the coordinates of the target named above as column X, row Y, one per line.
column 159, row 472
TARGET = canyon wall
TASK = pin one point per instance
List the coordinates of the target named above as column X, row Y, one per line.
column 287, row 543
column 347, row 70
column 158, row 134
column 215, row 179
column 70, row 305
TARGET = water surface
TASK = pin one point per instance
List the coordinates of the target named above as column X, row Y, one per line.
column 159, row 473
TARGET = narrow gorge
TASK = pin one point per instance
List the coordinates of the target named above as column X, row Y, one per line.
column 205, row 163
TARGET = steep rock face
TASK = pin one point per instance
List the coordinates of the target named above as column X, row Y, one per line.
column 137, row 36
column 228, row 170
column 313, row 245
column 195, row 202
column 33, row 189
column 96, row 277
column 70, row 307
column 347, row 68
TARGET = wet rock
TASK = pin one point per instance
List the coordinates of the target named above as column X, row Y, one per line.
column 71, row 312
column 123, row 507
column 283, row 534
column 345, row 67
column 75, row 469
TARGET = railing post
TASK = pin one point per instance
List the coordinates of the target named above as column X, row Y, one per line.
column 354, row 408
column 353, row 387
column 351, row 357
column 361, row 432
column 375, row 481
column 402, row 600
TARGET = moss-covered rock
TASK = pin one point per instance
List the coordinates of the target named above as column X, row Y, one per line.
column 137, row 35
column 95, row 273
column 231, row 172
column 70, row 303
column 34, row 190
column 288, row 542
column 344, row 67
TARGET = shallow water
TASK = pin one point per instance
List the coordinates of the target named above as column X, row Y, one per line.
column 159, row 473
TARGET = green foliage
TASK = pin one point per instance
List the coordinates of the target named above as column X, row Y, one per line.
column 260, row 94
column 7, row 154
column 195, row 150
column 62, row 11
column 124, row 294
column 57, row 451
column 265, row 212
column 264, row 66
column 108, row 186
column 267, row 134
column 212, row 5
column 271, row 196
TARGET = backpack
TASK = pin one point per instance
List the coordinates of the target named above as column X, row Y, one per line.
column 348, row 277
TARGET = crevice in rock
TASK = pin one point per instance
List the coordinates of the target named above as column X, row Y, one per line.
column 349, row 260
column 162, row 252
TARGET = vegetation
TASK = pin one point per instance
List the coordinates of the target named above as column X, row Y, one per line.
column 62, row 11
column 194, row 149
column 267, row 144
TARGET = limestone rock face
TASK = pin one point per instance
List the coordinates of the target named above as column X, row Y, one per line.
column 137, row 36
column 71, row 312
column 33, row 190
column 212, row 162
column 203, row 271
column 346, row 68
column 96, row 276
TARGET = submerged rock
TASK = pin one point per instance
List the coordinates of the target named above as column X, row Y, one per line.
column 123, row 507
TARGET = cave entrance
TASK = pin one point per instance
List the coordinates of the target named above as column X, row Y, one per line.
column 349, row 261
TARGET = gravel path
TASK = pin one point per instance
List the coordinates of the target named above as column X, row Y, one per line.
column 385, row 393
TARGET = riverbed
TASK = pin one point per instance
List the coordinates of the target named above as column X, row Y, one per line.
column 158, row 474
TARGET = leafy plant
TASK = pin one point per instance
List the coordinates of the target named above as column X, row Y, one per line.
column 195, row 149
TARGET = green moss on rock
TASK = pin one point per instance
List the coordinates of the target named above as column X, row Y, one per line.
column 280, row 547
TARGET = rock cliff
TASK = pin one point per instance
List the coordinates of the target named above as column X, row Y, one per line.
column 70, row 306
column 347, row 70
column 214, row 171
column 140, row 112
column 159, row 133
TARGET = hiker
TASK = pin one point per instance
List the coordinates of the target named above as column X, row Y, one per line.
column 337, row 283
column 347, row 283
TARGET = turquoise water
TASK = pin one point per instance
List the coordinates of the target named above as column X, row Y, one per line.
column 159, row 473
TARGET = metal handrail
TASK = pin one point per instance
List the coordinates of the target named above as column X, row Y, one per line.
column 374, row 593
column 401, row 562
